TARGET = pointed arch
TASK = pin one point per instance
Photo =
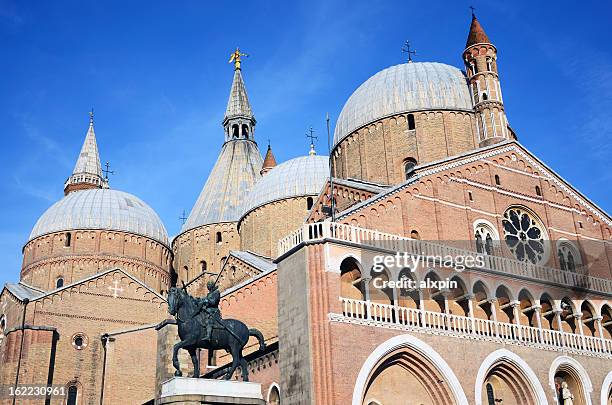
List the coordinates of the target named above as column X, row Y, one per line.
column 581, row 385
column 510, row 361
column 409, row 343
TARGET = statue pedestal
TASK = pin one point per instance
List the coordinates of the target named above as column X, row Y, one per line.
column 192, row 391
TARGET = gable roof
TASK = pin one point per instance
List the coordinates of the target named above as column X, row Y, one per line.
column 22, row 291
column 431, row 168
column 95, row 276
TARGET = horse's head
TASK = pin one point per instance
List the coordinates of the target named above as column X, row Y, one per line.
column 174, row 300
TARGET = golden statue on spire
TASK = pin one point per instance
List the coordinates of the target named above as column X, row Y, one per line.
column 235, row 57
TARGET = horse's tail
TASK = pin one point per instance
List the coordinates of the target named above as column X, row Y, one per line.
column 259, row 336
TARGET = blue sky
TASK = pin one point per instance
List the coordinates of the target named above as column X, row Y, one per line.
column 156, row 73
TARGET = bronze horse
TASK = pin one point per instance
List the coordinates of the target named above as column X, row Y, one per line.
column 230, row 335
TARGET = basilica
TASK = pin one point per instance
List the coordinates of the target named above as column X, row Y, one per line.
column 506, row 298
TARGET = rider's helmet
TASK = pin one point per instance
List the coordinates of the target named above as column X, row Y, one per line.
column 210, row 284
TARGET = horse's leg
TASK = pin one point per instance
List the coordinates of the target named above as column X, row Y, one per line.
column 245, row 369
column 175, row 361
column 235, row 361
column 194, row 360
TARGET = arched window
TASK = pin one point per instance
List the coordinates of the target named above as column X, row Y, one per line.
column 219, row 237
column 489, row 65
column 485, row 235
column 245, row 131
column 411, row 123
column 414, row 234
column 497, row 181
column 59, row 282
column 73, row 392
column 409, row 164
column 538, row 191
column 235, row 131
column 68, row 239
column 222, row 262
column 274, row 396
column 490, row 395
column 568, row 254
column 309, row 203
column 484, row 96
column 203, row 266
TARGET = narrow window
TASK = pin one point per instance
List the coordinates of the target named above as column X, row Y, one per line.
column 309, row 203
column 470, row 196
column 538, row 191
column 203, row 265
column 68, row 239
column 580, row 224
column 219, row 237
column 222, row 262
column 411, row 124
column 72, row 395
column 245, row 131
column 484, row 96
column 571, row 266
column 490, row 395
column 497, row 181
column 489, row 65
column 562, row 264
column 59, row 282
column 235, row 131
column 409, row 165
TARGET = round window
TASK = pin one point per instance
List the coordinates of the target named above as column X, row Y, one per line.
column 79, row 341
column 524, row 235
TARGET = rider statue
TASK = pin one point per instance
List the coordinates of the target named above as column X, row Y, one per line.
column 210, row 305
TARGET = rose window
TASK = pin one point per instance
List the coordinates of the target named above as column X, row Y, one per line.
column 524, row 235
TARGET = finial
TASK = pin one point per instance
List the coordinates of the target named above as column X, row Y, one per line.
column 91, row 116
column 183, row 217
column 406, row 49
column 310, row 134
column 472, row 8
column 236, row 58
column 269, row 147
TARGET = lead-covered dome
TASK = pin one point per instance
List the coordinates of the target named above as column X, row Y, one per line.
column 403, row 88
column 101, row 209
column 297, row 177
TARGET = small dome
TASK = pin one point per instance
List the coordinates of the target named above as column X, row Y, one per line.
column 103, row 209
column 297, row 177
column 403, row 88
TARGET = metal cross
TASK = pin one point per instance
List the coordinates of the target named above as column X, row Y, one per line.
column 91, row 116
column 406, row 49
column 107, row 170
column 472, row 8
column 183, row 217
column 310, row 134
column 116, row 290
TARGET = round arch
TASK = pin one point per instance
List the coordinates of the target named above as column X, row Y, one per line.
column 508, row 356
column 575, row 368
column 405, row 342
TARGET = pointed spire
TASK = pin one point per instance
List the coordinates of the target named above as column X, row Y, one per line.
column 477, row 34
column 87, row 172
column 239, row 121
column 269, row 161
column 238, row 104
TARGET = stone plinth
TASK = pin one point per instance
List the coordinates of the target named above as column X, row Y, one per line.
column 192, row 391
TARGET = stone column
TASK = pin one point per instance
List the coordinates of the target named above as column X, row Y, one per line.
column 470, row 298
column 493, row 303
column 537, row 309
column 517, row 319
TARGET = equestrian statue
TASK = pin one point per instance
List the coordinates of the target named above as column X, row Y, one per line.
column 200, row 326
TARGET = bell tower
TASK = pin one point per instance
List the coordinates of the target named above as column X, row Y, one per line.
column 480, row 58
column 239, row 121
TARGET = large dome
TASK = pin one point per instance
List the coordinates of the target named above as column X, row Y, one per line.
column 403, row 88
column 101, row 209
column 297, row 177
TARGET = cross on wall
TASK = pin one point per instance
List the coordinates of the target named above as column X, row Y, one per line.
column 115, row 290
